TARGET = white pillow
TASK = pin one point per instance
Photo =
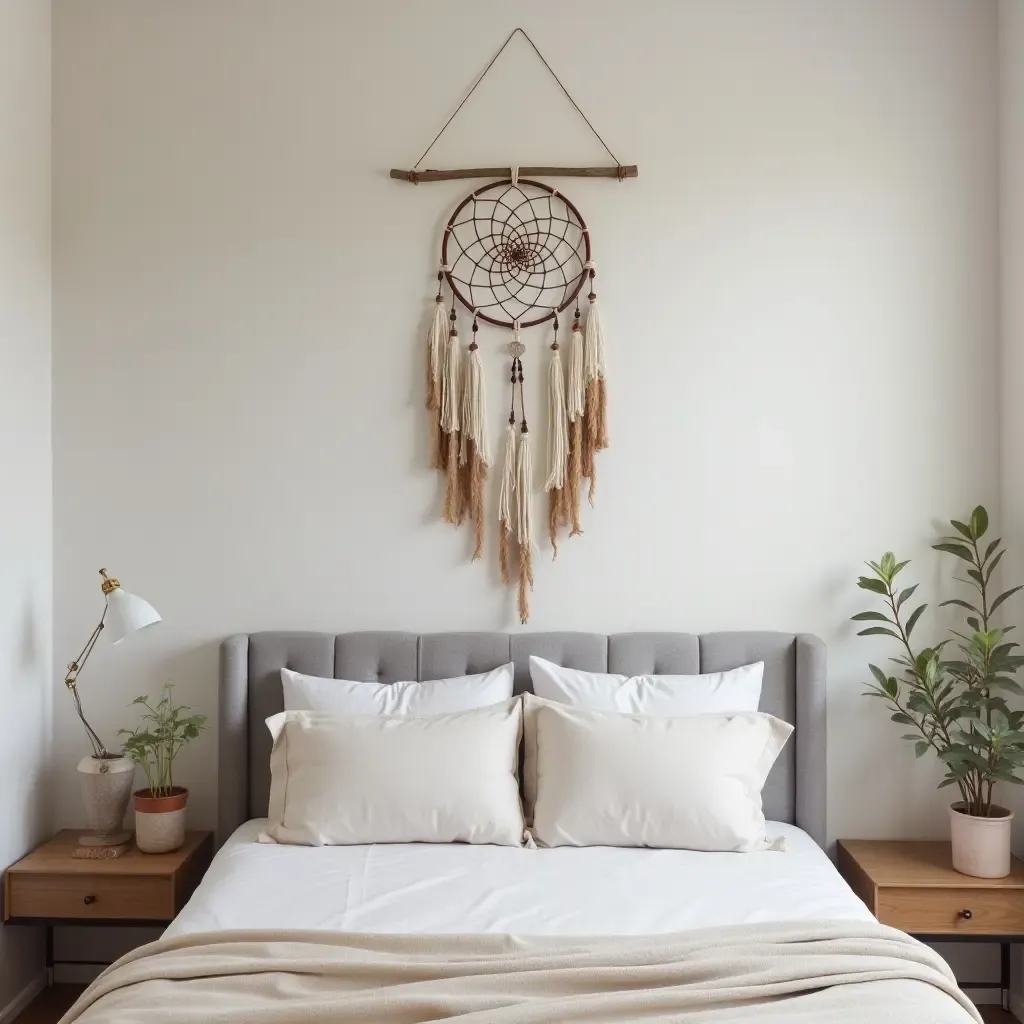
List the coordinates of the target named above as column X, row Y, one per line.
column 607, row 779
column 738, row 689
column 338, row 780
column 433, row 697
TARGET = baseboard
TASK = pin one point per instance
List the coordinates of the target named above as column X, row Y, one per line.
column 10, row 1012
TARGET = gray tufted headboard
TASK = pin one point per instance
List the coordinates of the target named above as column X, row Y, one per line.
column 250, row 691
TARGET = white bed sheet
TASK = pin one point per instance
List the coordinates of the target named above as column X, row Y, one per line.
column 423, row 888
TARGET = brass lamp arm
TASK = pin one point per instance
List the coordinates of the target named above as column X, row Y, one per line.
column 71, row 681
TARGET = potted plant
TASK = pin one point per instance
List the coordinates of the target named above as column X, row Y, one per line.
column 154, row 744
column 953, row 695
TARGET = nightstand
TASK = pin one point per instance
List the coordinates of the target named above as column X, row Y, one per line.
column 49, row 887
column 913, row 886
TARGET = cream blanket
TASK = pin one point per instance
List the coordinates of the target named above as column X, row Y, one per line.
column 811, row 973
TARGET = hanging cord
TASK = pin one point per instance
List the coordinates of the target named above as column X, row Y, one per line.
column 483, row 75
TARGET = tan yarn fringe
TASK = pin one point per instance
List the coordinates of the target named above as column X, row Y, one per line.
column 504, row 535
column 602, row 416
column 596, row 440
column 453, row 500
column 437, row 459
column 477, row 485
column 433, row 388
column 590, row 428
column 465, row 483
column 553, row 503
column 575, row 475
column 525, row 583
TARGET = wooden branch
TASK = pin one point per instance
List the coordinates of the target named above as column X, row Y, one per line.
column 626, row 171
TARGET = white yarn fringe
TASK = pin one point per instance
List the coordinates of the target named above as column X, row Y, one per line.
column 450, row 385
column 524, row 481
column 437, row 339
column 558, row 429
column 575, row 395
column 594, row 367
column 508, row 478
column 474, row 406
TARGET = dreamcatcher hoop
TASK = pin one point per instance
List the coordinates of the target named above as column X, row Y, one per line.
column 524, row 257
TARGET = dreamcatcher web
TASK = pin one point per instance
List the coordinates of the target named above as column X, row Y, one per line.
column 515, row 251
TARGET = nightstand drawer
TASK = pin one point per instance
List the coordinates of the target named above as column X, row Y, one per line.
column 91, row 897
column 967, row 911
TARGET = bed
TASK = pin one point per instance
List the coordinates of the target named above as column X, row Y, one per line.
column 411, row 932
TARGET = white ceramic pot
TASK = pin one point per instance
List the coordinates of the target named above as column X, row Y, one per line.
column 981, row 846
column 160, row 820
column 106, row 790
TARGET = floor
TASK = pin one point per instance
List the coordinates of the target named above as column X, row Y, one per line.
column 50, row 1006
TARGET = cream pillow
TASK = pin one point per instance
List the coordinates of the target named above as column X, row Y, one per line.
column 338, row 780
column 432, row 697
column 607, row 779
column 737, row 689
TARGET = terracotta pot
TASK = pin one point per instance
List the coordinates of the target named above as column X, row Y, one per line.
column 159, row 820
column 981, row 846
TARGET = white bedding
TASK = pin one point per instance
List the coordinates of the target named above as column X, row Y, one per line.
column 593, row 891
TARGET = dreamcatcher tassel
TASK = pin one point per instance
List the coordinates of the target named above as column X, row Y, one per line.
column 596, row 399
column 437, row 343
column 474, row 437
column 574, row 407
column 524, row 534
column 451, row 379
column 558, row 444
column 505, row 498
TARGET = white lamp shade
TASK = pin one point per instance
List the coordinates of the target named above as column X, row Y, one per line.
column 126, row 614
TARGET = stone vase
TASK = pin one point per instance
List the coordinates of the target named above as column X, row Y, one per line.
column 160, row 820
column 106, row 788
column 981, row 846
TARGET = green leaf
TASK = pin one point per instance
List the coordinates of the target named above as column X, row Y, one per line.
column 875, row 586
column 915, row 615
column 901, row 719
column 973, row 622
column 883, row 680
column 877, row 631
column 961, row 528
column 976, row 576
column 905, row 596
column 887, row 564
column 979, row 522
column 920, row 748
column 870, row 617
column 992, row 566
column 891, row 687
column 1002, row 597
column 953, row 548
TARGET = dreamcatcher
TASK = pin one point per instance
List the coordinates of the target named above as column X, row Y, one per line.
column 516, row 253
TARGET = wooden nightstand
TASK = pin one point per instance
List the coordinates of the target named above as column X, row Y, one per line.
column 913, row 886
column 49, row 887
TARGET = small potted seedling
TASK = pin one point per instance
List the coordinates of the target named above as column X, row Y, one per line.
column 154, row 744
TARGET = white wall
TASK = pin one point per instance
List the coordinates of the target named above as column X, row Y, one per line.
column 799, row 293
column 25, row 457
column 1011, row 35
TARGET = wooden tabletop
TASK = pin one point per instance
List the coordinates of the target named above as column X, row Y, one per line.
column 54, row 857
column 921, row 864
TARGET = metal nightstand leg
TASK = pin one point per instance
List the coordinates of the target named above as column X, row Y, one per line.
column 1004, row 975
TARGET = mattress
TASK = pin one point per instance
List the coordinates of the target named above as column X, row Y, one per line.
column 421, row 888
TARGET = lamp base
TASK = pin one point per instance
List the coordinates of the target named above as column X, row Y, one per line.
column 108, row 839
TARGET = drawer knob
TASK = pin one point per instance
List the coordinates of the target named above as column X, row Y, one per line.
column 966, row 915
column 89, row 900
